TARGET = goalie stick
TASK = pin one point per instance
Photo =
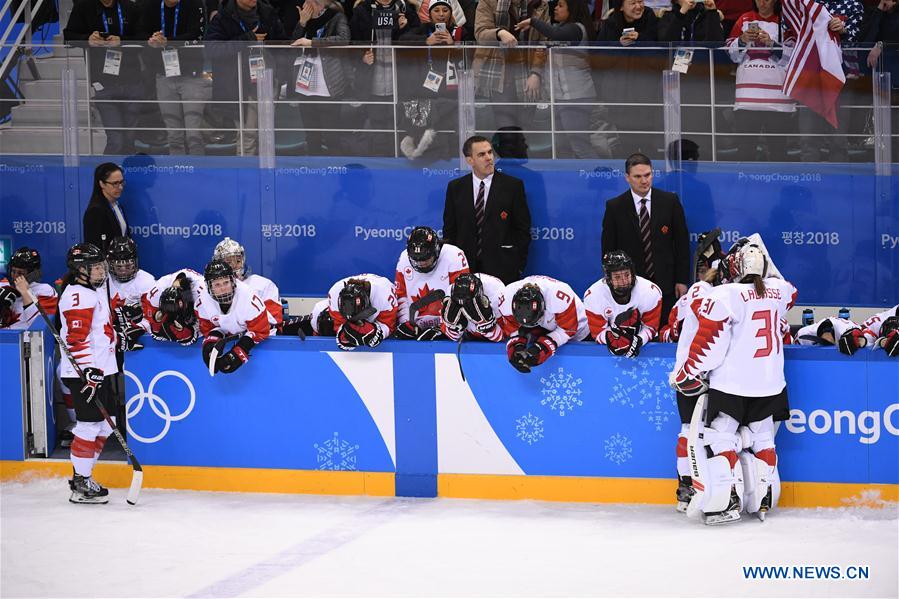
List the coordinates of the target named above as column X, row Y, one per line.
column 137, row 475
column 694, row 437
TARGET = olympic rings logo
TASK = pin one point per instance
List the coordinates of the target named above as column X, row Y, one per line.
column 159, row 407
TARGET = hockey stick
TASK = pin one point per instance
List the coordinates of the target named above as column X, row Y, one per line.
column 214, row 354
column 137, row 475
column 459, row 354
column 696, row 434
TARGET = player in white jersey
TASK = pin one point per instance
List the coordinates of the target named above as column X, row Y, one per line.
column 681, row 328
column 882, row 331
column 363, row 309
column 474, row 303
column 842, row 332
column 425, row 273
column 738, row 344
column 17, row 311
column 127, row 286
column 228, row 308
column 169, row 306
column 543, row 315
column 234, row 254
column 623, row 310
column 87, row 331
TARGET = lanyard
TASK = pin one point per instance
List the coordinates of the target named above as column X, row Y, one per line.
column 121, row 21
column 244, row 27
column 162, row 18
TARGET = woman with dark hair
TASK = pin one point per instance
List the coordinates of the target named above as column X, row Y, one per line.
column 691, row 21
column 104, row 220
column 630, row 23
column 571, row 80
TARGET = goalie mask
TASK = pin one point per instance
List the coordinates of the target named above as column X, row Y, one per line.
column 25, row 262
column 747, row 261
column 620, row 274
column 232, row 253
column 354, row 302
column 177, row 301
column 220, row 281
column 528, row 305
column 423, row 249
column 87, row 265
column 122, row 259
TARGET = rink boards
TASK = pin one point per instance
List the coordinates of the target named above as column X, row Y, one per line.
column 305, row 417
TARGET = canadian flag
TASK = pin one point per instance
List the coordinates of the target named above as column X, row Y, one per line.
column 815, row 72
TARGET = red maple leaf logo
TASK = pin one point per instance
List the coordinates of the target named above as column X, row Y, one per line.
column 432, row 309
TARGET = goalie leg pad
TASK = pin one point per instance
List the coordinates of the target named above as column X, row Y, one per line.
column 724, row 476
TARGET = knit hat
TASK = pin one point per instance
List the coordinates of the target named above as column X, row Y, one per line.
column 434, row 3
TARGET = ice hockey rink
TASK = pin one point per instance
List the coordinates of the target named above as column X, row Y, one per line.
column 201, row 544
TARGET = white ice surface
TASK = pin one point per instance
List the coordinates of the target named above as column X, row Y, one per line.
column 182, row 543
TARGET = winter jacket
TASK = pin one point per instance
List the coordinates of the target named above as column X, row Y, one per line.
column 698, row 25
column 571, row 77
column 330, row 28
column 90, row 15
column 613, row 27
column 191, row 31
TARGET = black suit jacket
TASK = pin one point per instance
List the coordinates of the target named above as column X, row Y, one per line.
column 99, row 220
column 670, row 239
column 507, row 225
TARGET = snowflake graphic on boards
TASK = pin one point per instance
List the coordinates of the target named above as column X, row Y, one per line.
column 618, row 449
column 561, row 391
column 529, row 428
column 643, row 384
column 336, row 454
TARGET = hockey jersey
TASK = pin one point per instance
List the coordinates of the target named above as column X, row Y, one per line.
column 602, row 309
column 564, row 317
column 268, row 293
column 150, row 300
column 20, row 317
column 496, row 293
column 382, row 297
column 87, row 330
column 246, row 315
column 873, row 324
column 808, row 335
column 317, row 309
column 683, row 315
column 762, row 70
column 132, row 292
column 413, row 286
column 739, row 338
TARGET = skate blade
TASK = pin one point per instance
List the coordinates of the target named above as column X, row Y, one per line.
column 80, row 499
column 721, row 518
column 761, row 514
column 682, row 506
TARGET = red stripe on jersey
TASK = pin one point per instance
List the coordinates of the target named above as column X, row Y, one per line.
column 509, row 325
column 48, row 303
column 681, row 450
column 274, row 308
column 205, row 326
column 388, row 318
column 82, row 448
column 453, row 275
column 258, row 328
column 400, row 285
column 150, row 314
column 597, row 324
column 652, row 318
column 567, row 320
column 705, row 336
column 338, row 318
column 78, row 325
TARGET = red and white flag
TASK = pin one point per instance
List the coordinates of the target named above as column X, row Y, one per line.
column 815, row 72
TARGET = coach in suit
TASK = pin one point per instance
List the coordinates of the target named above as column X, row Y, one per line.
column 649, row 225
column 486, row 214
column 104, row 219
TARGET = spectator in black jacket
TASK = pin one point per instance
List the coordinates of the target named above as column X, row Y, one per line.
column 115, row 74
column 632, row 15
column 237, row 26
column 881, row 24
column 380, row 23
column 103, row 219
column 175, row 28
column 691, row 21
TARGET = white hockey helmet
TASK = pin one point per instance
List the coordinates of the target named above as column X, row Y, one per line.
column 750, row 260
column 233, row 253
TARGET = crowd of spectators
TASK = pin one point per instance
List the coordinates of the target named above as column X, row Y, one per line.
column 185, row 54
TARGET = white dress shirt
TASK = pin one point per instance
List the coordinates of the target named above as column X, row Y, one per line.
column 121, row 218
column 638, row 198
column 476, row 186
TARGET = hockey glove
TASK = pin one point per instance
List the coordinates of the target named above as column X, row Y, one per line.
column 214, row 339
column 350, row 335
column 688, row 385
column 889, row 336
column 623, row 343
column 479, row 310
column 851, row 341
column 237, row 357
column 453, row 316
column 172, row 330
column 517, row 351
column 371, row 334
column 297, row 325
column 540, row 351
column 670, row 333
column 407, row 330
column 628, row 321
column 8, row 297
column 93, row 380
column 128, row 339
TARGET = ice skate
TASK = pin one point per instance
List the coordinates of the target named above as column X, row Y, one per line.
column 86, row 490
column 685, row 493
column 731, row 514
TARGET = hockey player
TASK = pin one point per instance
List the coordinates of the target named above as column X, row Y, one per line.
column 127, row 285
column 363, row 309
column 623, row 310
column 738, row 345
column 169, row 306
column 17, row 311
column 88, row 333
column 234, row 255
column 229, row 308
column 472, row 307
column 882, row 331
column 425, row 273
column 543, row 315
column 682, row 326
column 845, row 334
